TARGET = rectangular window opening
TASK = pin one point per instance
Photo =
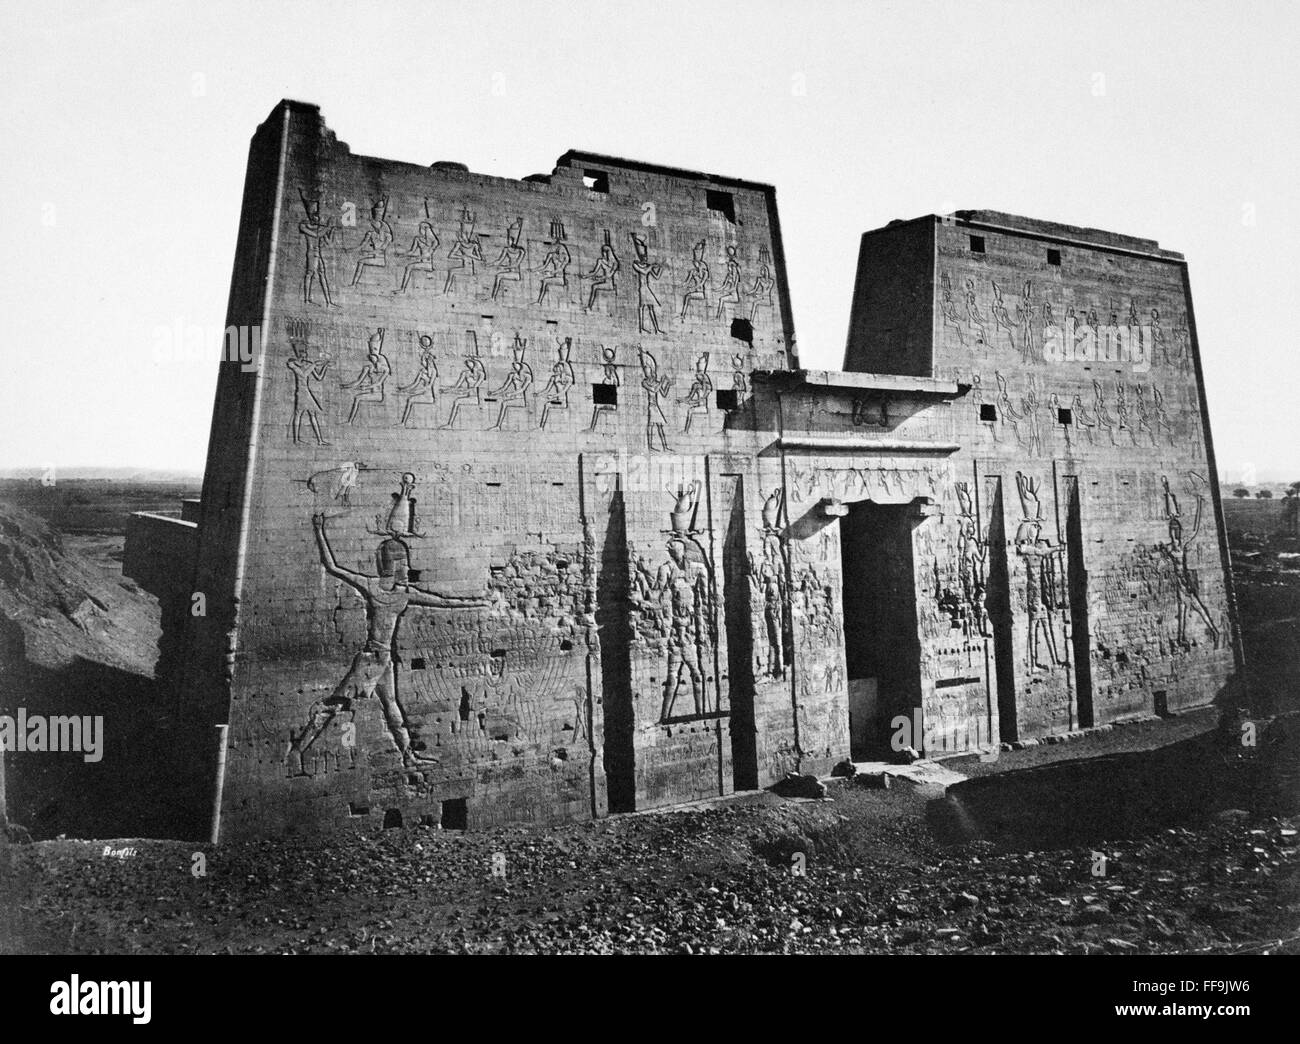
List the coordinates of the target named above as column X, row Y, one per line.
column 988, row 412
column 743, row 330
column 1053, row 257
column 596, row 180
column 727, row 399
column 604, row 394
column 977, row 244
column 721, row 203
column 1064, row 416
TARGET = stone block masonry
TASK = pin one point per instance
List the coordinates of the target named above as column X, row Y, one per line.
column 526, row 511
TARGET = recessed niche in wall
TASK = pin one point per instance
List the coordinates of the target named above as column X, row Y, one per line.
column 455, row 814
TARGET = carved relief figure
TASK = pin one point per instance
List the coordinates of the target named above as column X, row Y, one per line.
column 646, row 301
column 1025, row 319
column 1042, row 576
column 1187, row 587
column 602, row 273
column 610, row 379
column 1085, row 420
column 1144, row 416
column 821, row 624
column 317, row 233
column 1160, row 415
column 1102, row 413
column 1029, row 404
column 1183, row 349
column 688, row 601
column 761, row 292
column 469, row 385
column 510, row 262
column 306, row 373
column 1002, row 320
column 423, row 388
column 343, row 480
column 1121, row 410
column 973, row 314
column 729, row 292
column 656, row 389
column 948, row 306
column 697, row 280
column 701, row 392
column 466, row 252
column 513, row 393
column 767, row 579
column 554, row 268
column 376, row 241
column 683, row 583
column 369, row 383
column 421, row 251
column 972, row 550
column 387, row 596
column 1006, row 411
column 555, row 396
column 739, row 378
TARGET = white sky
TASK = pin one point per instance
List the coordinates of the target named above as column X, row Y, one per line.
column 126, row 129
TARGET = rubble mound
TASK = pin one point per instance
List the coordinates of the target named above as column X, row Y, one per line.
column 59, row 606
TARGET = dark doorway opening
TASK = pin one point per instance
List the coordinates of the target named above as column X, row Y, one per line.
column 881, row 647
column 615, row 666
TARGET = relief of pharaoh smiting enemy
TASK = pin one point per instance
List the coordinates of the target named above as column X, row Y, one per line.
column 387, row 596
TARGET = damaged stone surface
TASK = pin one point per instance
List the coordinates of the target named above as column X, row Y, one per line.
column 520, row 508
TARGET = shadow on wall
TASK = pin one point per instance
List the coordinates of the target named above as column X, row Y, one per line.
column 152, row 780
column 1078, row 802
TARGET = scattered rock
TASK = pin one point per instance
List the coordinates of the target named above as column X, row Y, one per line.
column 872, row 780
column 795, row 785
column 905, row 756
column 1231, row 815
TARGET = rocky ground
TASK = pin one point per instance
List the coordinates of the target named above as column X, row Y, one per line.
column 877, row 878
column 1184, row 847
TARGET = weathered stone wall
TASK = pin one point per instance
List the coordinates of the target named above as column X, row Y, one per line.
column 453, row 352
column 160, row 555
column 1079, row 351
column 526, row 513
